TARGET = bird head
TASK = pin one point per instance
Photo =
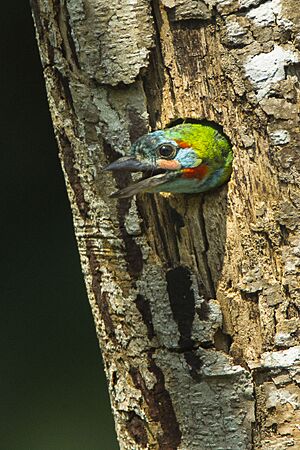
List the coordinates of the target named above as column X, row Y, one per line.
column 186, row 158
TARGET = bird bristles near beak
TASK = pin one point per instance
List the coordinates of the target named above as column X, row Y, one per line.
column 131, row 164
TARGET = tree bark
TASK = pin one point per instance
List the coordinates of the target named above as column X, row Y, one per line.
column 195, row 298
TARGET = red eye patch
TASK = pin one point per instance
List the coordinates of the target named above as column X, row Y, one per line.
column 195, row 172
column 182, row 144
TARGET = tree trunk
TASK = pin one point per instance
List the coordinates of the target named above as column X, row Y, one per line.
column 194, row 297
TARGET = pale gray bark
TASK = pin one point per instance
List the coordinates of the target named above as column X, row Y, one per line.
column 195, row 299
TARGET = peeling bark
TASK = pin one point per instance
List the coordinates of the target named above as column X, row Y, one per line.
column 195, row 298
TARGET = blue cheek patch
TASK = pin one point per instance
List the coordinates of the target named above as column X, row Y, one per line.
column 187, row 158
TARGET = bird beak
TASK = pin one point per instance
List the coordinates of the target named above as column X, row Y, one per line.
column 144, row 185
column 129, row 164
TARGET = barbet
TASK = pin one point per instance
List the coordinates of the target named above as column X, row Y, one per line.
column 186, row 158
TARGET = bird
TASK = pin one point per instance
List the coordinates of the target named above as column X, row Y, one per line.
column 187, row 158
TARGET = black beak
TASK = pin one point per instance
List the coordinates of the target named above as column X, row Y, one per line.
column 129, row 164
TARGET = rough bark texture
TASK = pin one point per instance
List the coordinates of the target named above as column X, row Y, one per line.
column 195, row 299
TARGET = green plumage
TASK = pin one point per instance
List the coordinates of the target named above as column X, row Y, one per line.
column 204, row 139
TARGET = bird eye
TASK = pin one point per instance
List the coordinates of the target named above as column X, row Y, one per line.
column 166, row 151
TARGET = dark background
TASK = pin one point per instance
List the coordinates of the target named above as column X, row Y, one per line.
column 53, row 393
